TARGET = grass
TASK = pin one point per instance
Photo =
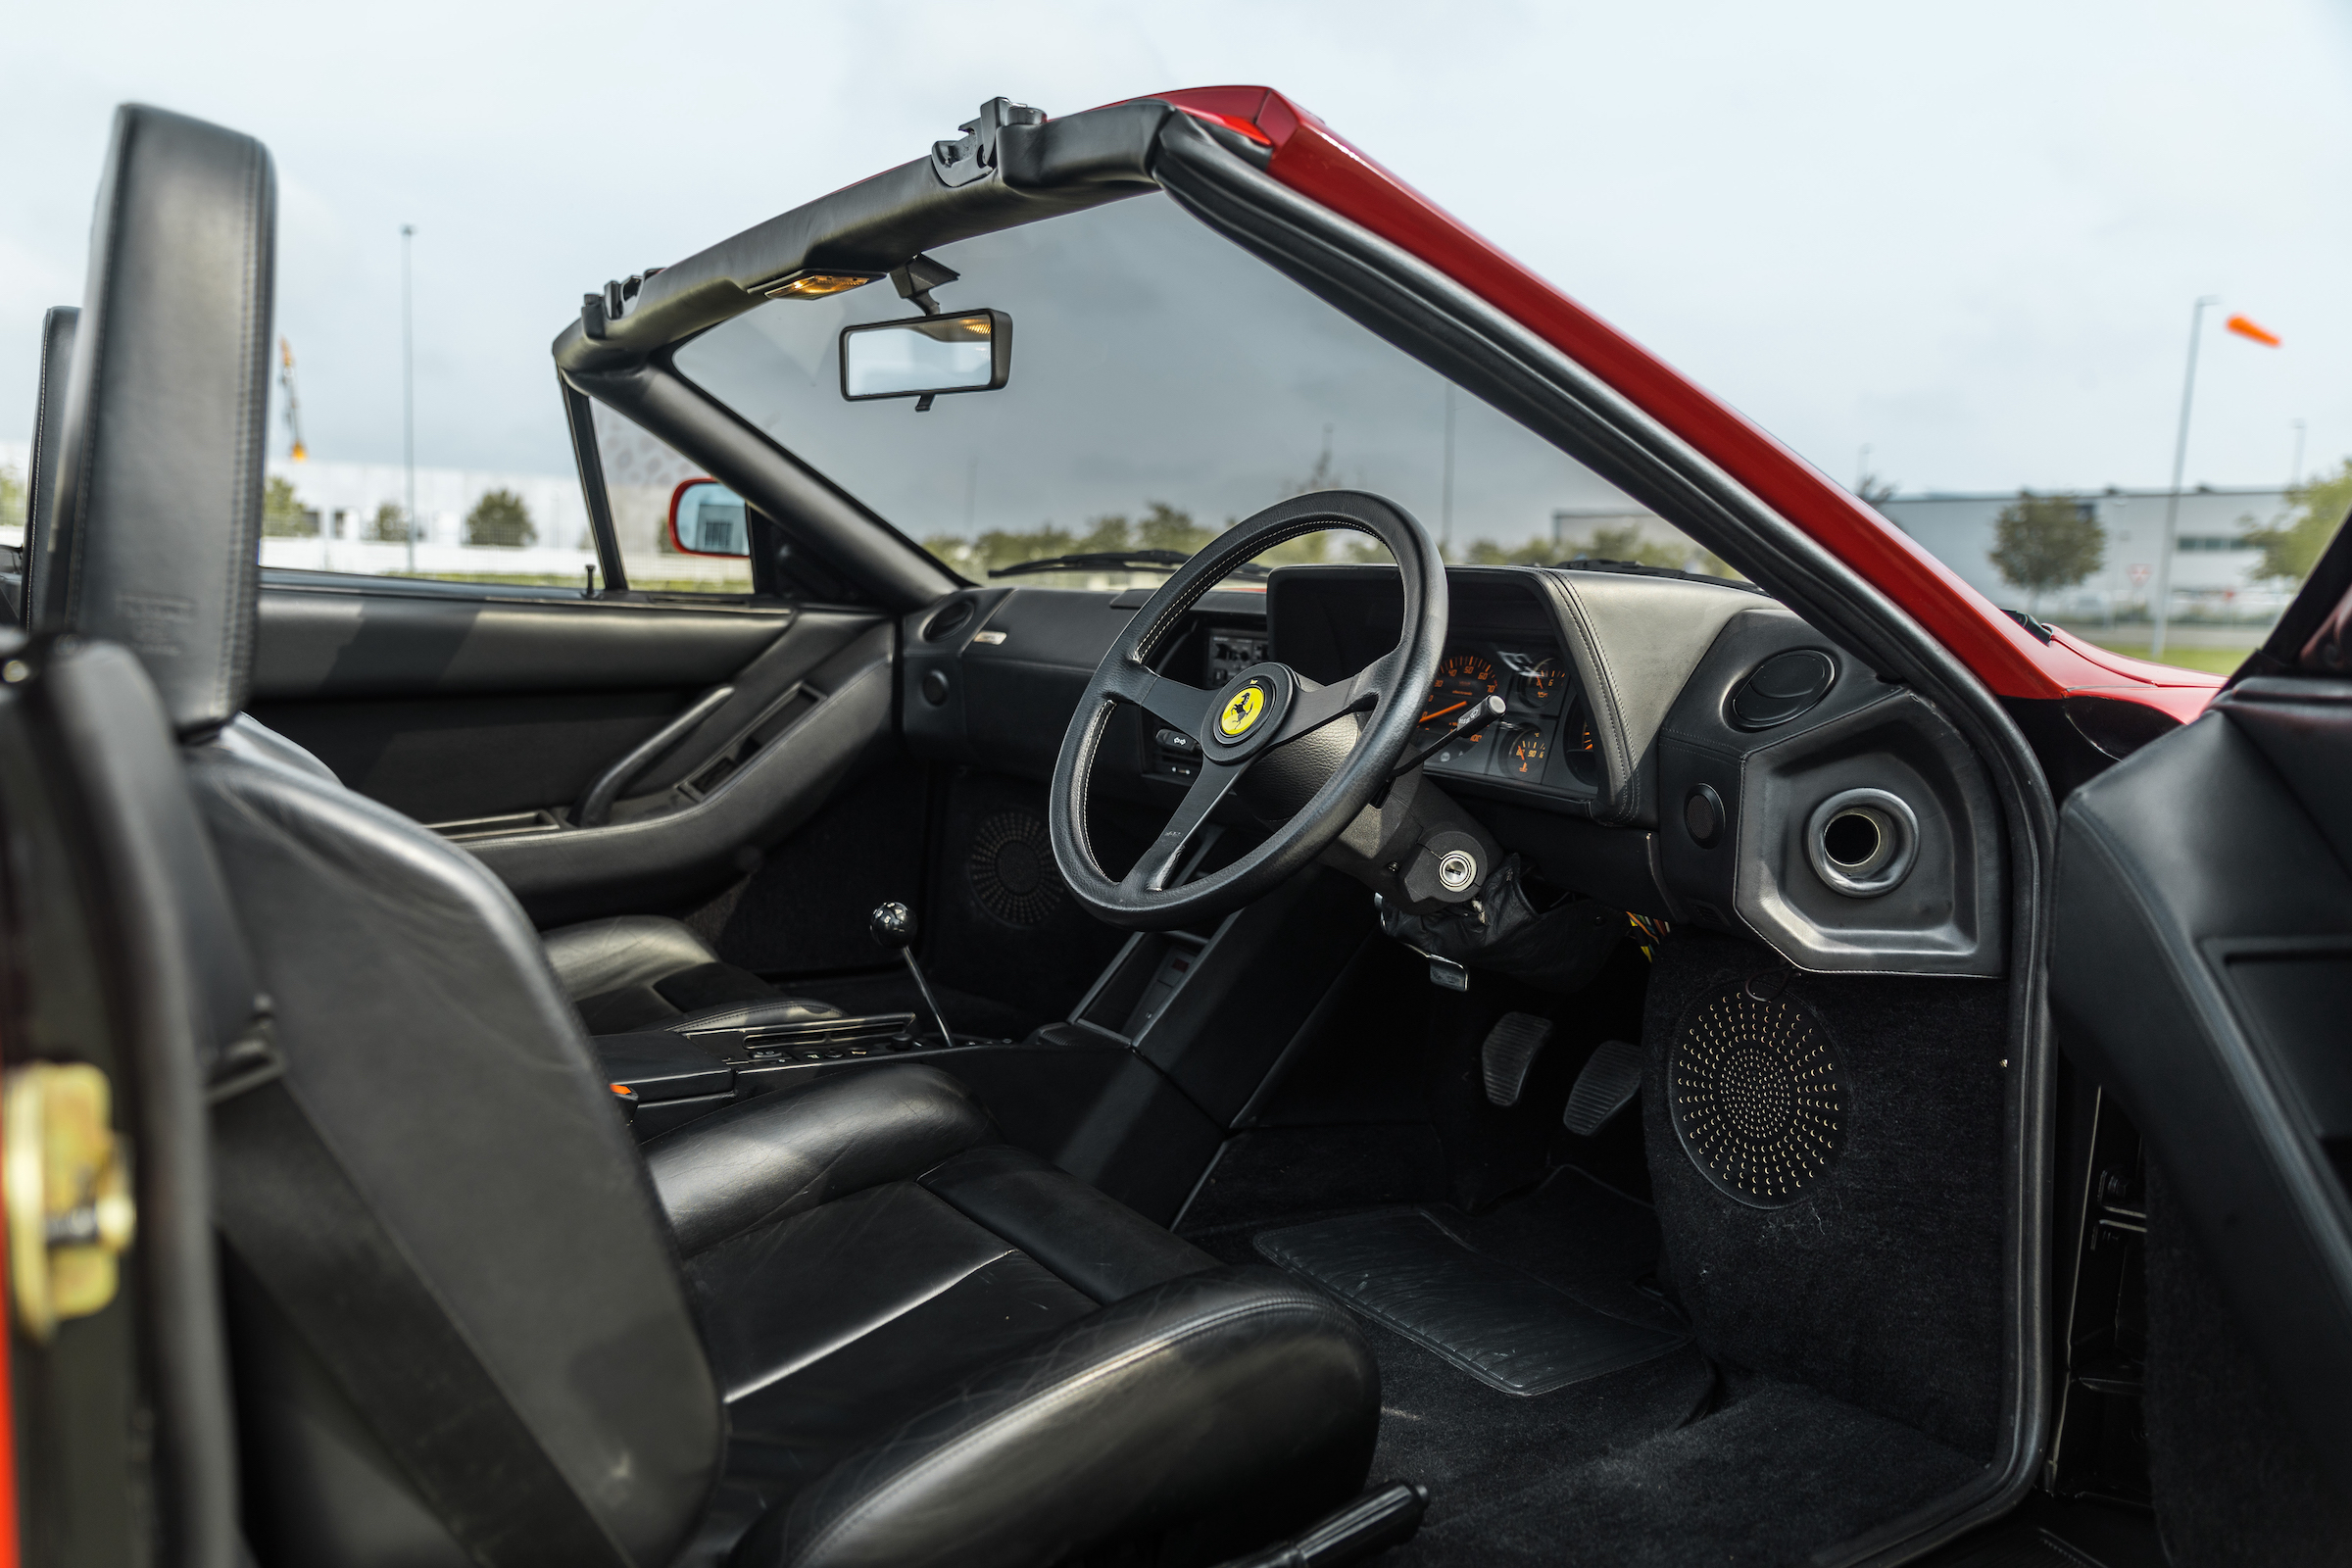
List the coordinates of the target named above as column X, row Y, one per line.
column 2213, row 661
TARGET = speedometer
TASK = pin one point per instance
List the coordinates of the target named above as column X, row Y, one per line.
column 1462, row 679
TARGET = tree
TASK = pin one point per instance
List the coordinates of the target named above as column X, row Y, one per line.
column 283, row 516
column 389, row 525
column 2045, row 542
column 12, row 497
column 500, row 519
column 2289, row 550
column 1163, row 528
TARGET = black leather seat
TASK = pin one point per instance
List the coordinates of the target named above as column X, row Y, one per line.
column 634, row 972
column 844, row 1325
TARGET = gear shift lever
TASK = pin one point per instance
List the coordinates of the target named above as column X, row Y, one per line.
column 893, row 926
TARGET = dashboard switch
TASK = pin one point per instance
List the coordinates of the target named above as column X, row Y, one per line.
column 1176, row 740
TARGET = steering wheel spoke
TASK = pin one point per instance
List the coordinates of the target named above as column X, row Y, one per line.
column 1312, row 706
column 1180, row 707
column 1160, row 863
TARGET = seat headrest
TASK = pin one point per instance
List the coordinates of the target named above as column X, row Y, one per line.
column 157, row 511
column 48, row 427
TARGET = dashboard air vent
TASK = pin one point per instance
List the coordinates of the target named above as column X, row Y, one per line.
column 948, row 621
column 1783, row 687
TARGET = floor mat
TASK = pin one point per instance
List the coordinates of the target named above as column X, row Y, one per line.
column 1501, row 1325
column 1781, row 1471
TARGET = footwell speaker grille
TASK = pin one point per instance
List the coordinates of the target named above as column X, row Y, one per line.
column 1012, row 870
column 1755, row 1096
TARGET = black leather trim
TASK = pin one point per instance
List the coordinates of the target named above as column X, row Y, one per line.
column 186, row 989
column 159, row 497
column 659, row 859
column 1100, row 1246
column 1234, row 1404
column 58, row 326
column 1635, row 642
column 320, row 643
column 429, row 1042
column 2188, row 857
column 770, row 1158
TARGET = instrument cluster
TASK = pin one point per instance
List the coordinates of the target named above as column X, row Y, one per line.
column 1545, row 738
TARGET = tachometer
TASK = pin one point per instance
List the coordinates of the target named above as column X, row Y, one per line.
column 1462, row 679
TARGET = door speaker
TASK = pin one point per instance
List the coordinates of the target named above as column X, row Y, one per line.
column 1755, row 1094
column 1011, row 869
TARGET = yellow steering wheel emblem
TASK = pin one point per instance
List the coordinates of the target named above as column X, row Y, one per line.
column 1241, row 711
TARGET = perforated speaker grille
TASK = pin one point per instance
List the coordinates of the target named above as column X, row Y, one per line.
column 1755, row 1096
column 1012, row 867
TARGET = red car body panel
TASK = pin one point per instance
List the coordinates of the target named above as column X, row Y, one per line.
column 1314, row 161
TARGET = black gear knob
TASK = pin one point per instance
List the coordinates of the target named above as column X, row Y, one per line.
column 893, row 926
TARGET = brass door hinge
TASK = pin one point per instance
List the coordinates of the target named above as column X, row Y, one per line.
column 68, row 1187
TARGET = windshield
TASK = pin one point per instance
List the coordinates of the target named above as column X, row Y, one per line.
column 1164, row 385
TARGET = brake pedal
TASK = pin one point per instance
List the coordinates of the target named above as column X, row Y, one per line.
column 1383, row 1517
column 1610, row 1079
column 1509, row 1052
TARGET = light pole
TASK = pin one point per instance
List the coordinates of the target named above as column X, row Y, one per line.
column 407, row 390
column 2161, row 606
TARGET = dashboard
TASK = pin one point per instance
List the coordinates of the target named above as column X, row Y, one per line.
column 1683, row 748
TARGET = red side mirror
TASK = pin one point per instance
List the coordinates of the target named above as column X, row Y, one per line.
column 707, row 519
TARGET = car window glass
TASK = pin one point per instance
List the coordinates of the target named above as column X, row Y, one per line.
column 1163, row 385
column 470, row 527
column 642, row 471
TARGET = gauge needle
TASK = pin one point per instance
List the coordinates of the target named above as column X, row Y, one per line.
column 1430, row 718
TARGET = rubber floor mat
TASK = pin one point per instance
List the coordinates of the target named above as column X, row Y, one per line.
column 1504, row 1327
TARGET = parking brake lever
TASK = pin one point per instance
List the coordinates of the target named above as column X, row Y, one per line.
column 893, row 926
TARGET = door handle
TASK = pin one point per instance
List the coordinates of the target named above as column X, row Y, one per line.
column 597, row 804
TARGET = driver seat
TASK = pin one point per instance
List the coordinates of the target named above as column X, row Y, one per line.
column 469, row 1325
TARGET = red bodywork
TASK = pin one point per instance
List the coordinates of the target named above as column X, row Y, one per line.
column 1310, row 159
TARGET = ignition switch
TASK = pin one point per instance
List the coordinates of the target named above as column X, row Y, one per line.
column 1449, row 867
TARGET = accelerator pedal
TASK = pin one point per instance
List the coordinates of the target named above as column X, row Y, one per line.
column 1610, row 1079
column 1383, row 1517
column 1509, row 1052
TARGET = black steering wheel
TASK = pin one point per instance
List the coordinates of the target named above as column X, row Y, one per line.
column 1262, row 709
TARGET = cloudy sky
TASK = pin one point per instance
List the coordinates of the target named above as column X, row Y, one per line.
column 1965, row 238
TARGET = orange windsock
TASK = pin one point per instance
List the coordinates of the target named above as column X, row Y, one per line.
column 2245, row 328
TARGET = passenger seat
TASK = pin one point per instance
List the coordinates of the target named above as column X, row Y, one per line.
column 627, row 973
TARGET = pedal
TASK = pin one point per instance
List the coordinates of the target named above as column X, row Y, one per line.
column 1610, row 1079
column 1509, row 1052
column 1383, row 1517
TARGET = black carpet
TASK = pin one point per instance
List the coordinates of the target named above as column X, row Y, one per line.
column 1780, row 1473
column 1405, row 1270
column 1656, row 1463
column 1882, row 1283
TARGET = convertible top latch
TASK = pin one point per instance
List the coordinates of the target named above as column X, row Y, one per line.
column 960, row 162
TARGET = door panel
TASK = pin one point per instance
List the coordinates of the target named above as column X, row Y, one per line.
column 456, row 706
column 2202, row 972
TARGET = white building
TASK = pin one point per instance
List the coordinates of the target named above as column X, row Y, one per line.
column 2213, row 564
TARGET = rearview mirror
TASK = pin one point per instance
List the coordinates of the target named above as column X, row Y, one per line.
column 926, row 356
column 705, row 519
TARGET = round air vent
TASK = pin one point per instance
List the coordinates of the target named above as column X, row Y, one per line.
column 1862, row 842
column 948, row 621
column 1755, row 1096
column 1012, row 870
column 1783, row 687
